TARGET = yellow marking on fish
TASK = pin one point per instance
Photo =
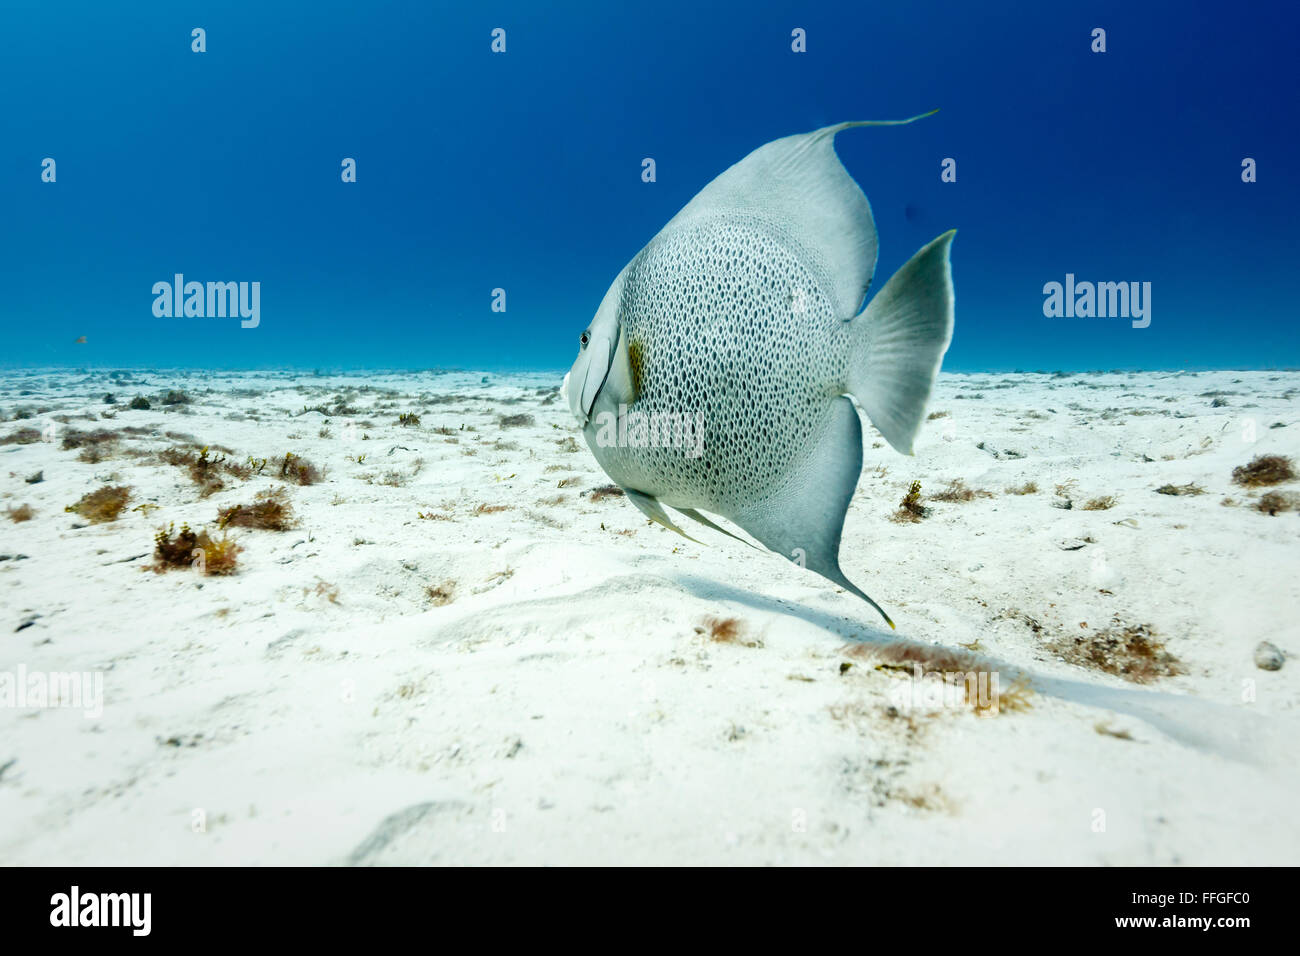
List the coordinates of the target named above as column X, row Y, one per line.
column 636, row 363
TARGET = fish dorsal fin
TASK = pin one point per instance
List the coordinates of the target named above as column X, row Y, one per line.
column 799, row 183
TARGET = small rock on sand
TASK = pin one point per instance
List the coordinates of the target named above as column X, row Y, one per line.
column 1269, row 657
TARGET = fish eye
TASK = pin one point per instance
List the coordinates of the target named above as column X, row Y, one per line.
column 584, row 338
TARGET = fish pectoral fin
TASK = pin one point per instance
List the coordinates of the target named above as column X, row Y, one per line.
column 803, row 518
column 600, row 358
column 653, row 510
column 624, row 383
column 696, row 516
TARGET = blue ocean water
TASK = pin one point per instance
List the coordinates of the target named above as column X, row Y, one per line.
column 522, row 170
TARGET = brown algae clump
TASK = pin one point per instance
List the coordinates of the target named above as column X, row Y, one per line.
column 103, row 505
column 1264, row 470
column 270, row 511
column 910, row 508
column 295, row 468
column 957, row 491
column 1130, row 651
column 194, row 550
column 1191, row 488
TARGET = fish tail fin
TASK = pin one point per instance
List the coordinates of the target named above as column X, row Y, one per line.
column 899, row 341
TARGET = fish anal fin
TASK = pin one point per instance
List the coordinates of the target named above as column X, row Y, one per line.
column 696, row 516
column 652, row 509
column 803, row 518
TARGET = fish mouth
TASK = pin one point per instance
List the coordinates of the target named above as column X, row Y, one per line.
column 571, row 398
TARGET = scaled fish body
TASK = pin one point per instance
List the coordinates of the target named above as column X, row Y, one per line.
column 715, row 375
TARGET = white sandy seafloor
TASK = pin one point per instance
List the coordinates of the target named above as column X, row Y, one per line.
column 570, row 705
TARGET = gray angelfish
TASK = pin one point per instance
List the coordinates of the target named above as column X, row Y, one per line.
column 717, row 373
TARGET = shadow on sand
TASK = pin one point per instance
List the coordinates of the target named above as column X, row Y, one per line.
column 1231, row 732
